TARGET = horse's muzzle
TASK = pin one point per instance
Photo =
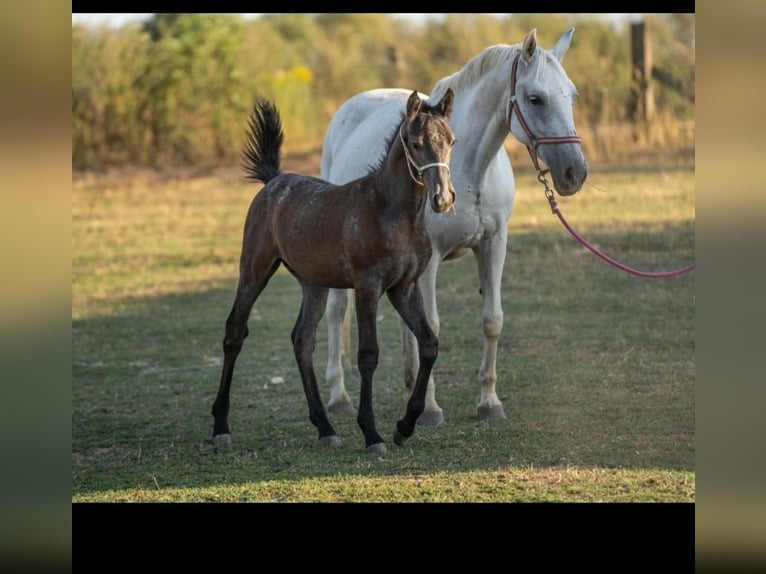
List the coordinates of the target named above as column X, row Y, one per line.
column 443, row 201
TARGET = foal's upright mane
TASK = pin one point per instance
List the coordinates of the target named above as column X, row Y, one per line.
column 390, row 139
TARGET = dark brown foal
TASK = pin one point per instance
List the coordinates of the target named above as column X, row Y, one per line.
column 368, row 234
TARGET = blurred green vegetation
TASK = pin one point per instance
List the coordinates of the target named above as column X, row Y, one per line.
column 176, row 90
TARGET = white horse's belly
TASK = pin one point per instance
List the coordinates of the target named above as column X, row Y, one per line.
column 453, row 238
column 479, row 214
column 356, row 140
column 357, row 136
column 453, row 234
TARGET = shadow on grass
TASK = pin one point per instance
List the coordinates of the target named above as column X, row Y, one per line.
column 595, row 370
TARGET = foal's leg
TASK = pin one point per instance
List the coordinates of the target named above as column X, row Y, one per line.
column 432, row 414
column 490, row 255
column 408, row 301
column 366, row 299
column 251, row 282
column 304, row 342
column 337, row 329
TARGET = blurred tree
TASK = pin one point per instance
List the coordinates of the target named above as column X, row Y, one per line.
column 178, row 89
column 106, row 99
column 281, row 66
column 599, row 64
column 672, row 38
column 196, row 86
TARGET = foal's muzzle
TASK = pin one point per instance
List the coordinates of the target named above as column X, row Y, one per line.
column 443, row 198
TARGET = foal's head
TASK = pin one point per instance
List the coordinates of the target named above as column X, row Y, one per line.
column 428, row 140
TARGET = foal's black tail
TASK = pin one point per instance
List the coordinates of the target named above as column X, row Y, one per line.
column 262, row 152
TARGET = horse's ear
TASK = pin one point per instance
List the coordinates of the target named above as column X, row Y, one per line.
column 445, row 105
column 529, row 45
column 413, row 105
column 563, row 44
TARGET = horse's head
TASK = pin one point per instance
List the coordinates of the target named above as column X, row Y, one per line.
column 540, row 112
column 428, row 141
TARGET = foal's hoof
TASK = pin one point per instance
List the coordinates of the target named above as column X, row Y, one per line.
column 399, row 438
column 342, row 408
column 431, row 418
column 331, row 440
column 220, row 440
column 377, row 448
column 495, row 413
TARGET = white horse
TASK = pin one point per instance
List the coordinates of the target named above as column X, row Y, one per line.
column 520, row 88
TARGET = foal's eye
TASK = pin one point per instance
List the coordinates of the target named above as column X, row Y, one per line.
column 453, row 143
column 536, row 100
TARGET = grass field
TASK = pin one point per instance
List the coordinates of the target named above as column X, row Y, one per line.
column 596, row 367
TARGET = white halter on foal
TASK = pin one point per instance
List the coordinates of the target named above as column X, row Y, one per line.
column 419, row 168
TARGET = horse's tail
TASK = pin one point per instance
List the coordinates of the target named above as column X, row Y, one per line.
column 262, row 152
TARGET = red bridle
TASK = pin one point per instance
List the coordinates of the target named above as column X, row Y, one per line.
column 534, row 141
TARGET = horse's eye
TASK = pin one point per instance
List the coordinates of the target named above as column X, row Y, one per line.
column 536, row 100
column 453, row 143
column 416, row 145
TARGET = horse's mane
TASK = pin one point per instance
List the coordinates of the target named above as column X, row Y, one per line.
column 389, row 142
column 476, row 68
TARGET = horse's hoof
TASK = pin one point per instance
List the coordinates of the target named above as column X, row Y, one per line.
column 342, row 408
column 377, row 448
column 399, row 438
column 431, row 418
column 495, row 413
column 220, row 440
column 331, row 440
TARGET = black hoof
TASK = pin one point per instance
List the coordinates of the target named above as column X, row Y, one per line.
column 377, row 448
column 331, row 440
column 220, row 440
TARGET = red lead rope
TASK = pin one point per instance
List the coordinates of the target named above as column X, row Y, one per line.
column 581, row 239
column 534, row 142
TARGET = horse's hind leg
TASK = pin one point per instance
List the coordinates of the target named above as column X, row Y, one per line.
column 250, row 286
column 337, row 330
column 490, row 255
column 408, row 301
column 304, row 341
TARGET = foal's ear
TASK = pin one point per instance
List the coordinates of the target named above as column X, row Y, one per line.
column 445, row 105
column 413, row 106
column 529, row 45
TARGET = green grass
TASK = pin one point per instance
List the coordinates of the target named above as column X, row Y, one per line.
column 596, row 367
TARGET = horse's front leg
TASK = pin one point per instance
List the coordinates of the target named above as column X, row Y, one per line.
column 490, row 255
column 304, row 342
column 432, row 414
column 366, row 300
column 337, row 339
column 408, row 302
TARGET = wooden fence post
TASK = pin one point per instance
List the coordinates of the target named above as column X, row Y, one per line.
column 642, row 106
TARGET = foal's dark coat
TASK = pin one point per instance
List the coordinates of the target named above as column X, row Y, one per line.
column 368, row 234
